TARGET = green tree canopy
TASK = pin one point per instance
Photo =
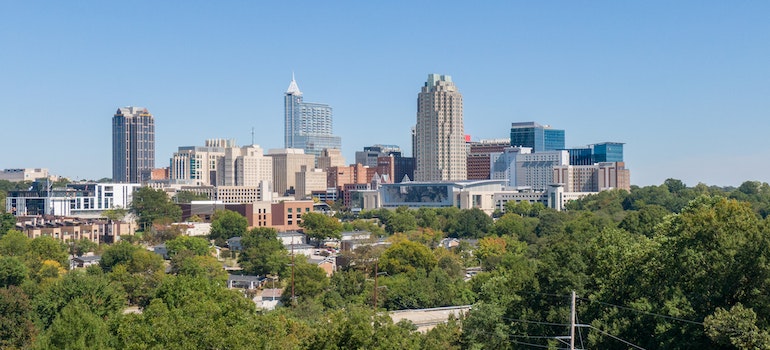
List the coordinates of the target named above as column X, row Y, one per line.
column 318, row 226
column 187, row 197
column 196, row 245
column 150, row 205
column 407, row 256
column 263, row 253
column 226, row 224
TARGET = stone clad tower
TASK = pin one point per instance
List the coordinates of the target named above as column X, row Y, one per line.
column 439, row 140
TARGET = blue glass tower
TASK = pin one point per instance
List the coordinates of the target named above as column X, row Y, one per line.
column 608, row 152
column 538, row 137
column 307, row 126
column 596, row 153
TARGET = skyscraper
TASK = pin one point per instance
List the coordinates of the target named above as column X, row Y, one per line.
column 307, row 126
column 538, row 137
column 133, row 144
column 439, row 134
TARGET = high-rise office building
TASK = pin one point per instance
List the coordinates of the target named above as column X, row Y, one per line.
column 596, row 153
column 439, row 134
column 538, row 137
column 133, row 145
column 307, row 126
column 286, row 163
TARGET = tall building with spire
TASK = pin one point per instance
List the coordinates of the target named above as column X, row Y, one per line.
column 133, row 145
column 307, row 126
column 439, row 136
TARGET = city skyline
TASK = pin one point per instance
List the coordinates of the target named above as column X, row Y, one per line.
column 682, row 85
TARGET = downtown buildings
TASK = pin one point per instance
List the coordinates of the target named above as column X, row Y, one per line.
column 133, row 145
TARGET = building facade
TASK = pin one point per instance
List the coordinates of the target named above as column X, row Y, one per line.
column 596, row 153
column 80, row 200
column 538, row 137
column 133, row 145
column 439, row 133
column 27, row 174
column 286, row 163
column 307, row 126
column 479, row 157
column 523, row 168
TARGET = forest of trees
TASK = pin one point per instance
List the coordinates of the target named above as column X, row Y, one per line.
column 661, row 267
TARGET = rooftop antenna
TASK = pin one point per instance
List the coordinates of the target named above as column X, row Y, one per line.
column 252, row 135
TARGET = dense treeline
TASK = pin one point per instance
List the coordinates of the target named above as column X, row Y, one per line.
column 661, row 267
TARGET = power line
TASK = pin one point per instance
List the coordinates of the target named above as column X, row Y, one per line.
column 536, row 322
column 644, row 312
column 616, row 338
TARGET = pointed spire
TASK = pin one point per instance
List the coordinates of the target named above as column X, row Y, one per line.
column 293, row 88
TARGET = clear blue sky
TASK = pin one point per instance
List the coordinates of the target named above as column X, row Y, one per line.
column 685, row 84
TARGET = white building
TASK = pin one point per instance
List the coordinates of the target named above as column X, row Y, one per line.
column 522, row 168
column 80, row 200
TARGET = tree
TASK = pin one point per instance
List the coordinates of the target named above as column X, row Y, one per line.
column 186, row 263
column 736, row 327
column 402, row 220
column 263, row 253
column 14, row 243
column 46, row 248
column 187, row 197
column 319, row 227
column 226, row 224
column 407, row 256
column 150, row 205
column 7, row 222
column 76, row 327
column 83, row 245
column 118, row 253
column 196, row 245
column 471, row 223
column 102, row 297
column 12, row 271
column 309, row 280
column 16, row 328
column 115, row 214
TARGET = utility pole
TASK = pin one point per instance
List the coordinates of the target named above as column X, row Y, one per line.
column 572, row 323
column 375, row 286
column 292, row 273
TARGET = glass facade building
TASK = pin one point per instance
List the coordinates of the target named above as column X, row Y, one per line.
column 307, row 126
column 596, row 153
column 538, row 137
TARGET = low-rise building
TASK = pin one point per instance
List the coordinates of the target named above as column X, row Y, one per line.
column 81, row 200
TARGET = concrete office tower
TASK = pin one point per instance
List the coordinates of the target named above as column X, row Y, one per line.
column 133, row 145
column 247, row 166
column 329, row 158
column 309, row 180
column 439, row 134
column 200, row 166
column 307, row 126
column 538, row 137
column 286, row 163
